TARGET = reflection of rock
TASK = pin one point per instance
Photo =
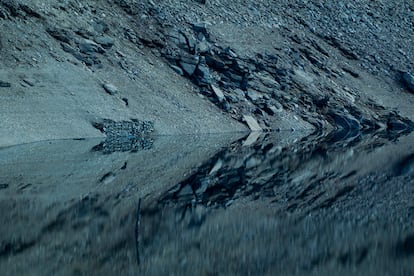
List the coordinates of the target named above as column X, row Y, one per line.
column 406, row 247
column 405, row 166
column 300, row 196
column 248, row 172
column 125, row 144
column 67, row 202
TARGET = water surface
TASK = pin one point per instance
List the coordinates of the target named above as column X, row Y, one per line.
column 283, row 203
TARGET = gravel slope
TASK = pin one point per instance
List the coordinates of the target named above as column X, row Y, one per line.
column 193, row 67
column 53, row 95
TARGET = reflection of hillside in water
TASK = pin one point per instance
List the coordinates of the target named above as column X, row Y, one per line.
column 318, row 204
column 265, row 169
column 273, row 204
column 68, row 207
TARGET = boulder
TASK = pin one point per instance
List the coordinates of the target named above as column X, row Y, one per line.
column 189, row 63
column 105, row 41
column 252, row 123
column 202, row 74
column 87, row 46
column 110, row 88
column 218, row 93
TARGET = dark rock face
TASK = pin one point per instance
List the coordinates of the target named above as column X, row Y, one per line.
column 60, row 34
column 14, row 9
column 345, row 121
column 407, row 80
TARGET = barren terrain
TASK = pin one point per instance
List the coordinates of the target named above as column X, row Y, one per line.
column 190, row 67
column 109, row 165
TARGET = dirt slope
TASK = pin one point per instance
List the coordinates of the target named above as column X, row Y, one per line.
column 53, row 95
column 190, row 67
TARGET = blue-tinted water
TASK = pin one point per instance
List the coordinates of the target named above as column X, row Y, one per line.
column 281, row 203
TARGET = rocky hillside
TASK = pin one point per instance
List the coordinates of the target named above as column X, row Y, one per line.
column 204, row 66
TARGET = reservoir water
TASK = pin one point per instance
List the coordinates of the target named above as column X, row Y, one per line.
column 283, row 203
